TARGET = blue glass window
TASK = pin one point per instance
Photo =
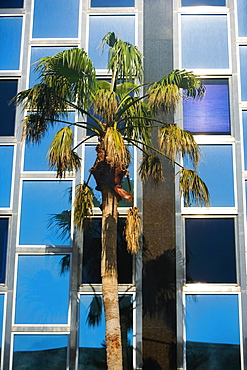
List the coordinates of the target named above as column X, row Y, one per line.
column 4, row 224
column 42, row 293
column 92, row 334
column 8, row 89
column 34, row 351
column 36, row 154
column 6, row 164
column 204, row 41
column 112, row 3
column 210, row 250
column 210, row 115
column 1, row 318
column 242, row 14
column 10, row 42
column 244, row 117
column 90, row 157
column 99, row 26
column 41, row 201
column 203, row 2
column 56, row 19
column 212, row 332
column 11, row 4
column 38, row 52
column 243, row 71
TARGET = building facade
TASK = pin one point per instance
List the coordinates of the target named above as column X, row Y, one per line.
column 183, row 297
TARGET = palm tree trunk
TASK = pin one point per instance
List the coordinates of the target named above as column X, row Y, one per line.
column 110, row 279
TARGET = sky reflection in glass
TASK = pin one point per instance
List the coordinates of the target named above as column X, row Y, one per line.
column 6, row 164
column 112, row 3
column 40, row 201
column 242, row 15
column 10, row 42
column 243, row 71
column 42, row 292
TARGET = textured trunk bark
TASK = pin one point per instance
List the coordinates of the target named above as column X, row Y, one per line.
column 110, row 280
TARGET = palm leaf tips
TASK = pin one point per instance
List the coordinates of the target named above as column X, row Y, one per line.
column 132, row 230
column 151, row 168
column 83, row 205
column 193, row 188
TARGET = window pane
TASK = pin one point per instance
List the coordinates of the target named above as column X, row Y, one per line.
column 210, row 250
column 243, row 71
column 10, row 42
column 43, row 208
column 212, row 332
column 210, row 115
column 1, row 319
column 244, row 117
column 36, row 154
column 8, row 89
column 4, row 223
column 200, row 35
column 38, row 52
column 57, row 19
column 112, row 3
column 90, row 157
column 242, row 14
column 99, row 26
column 92, row 337
column 6, row 164
column 203, row 2
column 42, row 292
column 92, row 254
column 11, row 4
column 216, row 171
column 40, row 352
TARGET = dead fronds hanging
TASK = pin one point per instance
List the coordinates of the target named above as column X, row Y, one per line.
column 165, row 97
column 83, row 205
column 132, row 230
column 151, row 168
column 193, row 188
column 117, row 154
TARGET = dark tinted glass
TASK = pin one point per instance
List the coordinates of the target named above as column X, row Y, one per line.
column 11, row 3
column 210, row 115
column 8, row 89
column 210, row 250
column 92, row 254
column 3, row 246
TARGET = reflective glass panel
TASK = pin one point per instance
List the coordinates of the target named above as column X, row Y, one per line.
column 56, row 19
column 203, row 2
column 10, row 42
column 92, row 332
column 210, row 115
column 200, row 35
column 8, row 89
column 11, row 4
column 42, row 292
column 212, row 332
column 1, row 319
column 216, row 171
column 90, row 157
column 99, row 26
column 4, row 223
column 43, row 216
column 244, row 116
column 243, row 71
column 210, row 250
column 36, row 154
column 6, row 164
column 112, row 3
column 242, row 14
column 92, row 254
column 40, row 352
column 38, row 52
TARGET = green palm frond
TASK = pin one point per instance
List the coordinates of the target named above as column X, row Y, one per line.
column 117, row 154
column 193, row 188
column 132, row 230
column 60, row 154
column 151, row 168
column 165, row 97
column 172, row 140
column 105, row 105
column 83, row 205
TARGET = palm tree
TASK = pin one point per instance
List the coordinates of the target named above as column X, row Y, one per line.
column 121, row 116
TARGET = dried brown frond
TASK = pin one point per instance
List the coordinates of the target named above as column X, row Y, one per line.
column 151, row 167
column 173, row 140
column 60, row 154
column 83, row 205
column 34, row 128
column 117, row 154
column 164, row 97
column 105, row 105
column 132, row 230
column 193, row 188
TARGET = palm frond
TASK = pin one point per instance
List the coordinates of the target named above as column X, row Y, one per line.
column 172, row 140
column 151, row 168
column 193, row 188
column 117, row 154
column 165, row 97
column 132, row 230
column 105, row 105
column 83, row 205
column 61, row 224
column 34, row 128
column 60, row 154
